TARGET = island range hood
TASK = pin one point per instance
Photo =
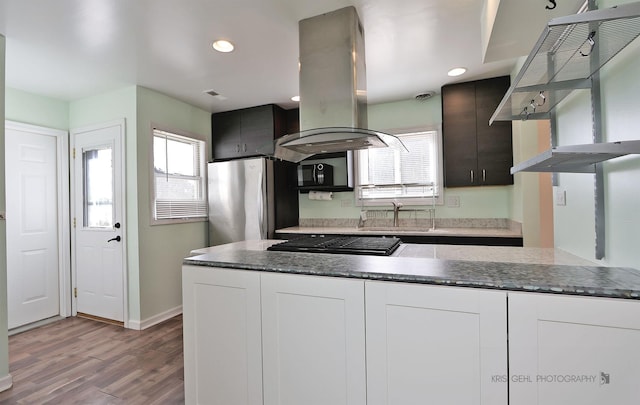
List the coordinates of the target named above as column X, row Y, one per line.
column 333, row 96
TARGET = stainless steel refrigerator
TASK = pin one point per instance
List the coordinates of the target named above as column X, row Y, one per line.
column 249, row 199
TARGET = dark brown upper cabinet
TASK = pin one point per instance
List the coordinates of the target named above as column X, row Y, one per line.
column 475, row 154
column 292, row 121
column 241, row 133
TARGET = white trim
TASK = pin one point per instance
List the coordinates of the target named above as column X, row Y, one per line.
column 6, row 382
column 64, row 231
column 154, row 320
column 125, row 276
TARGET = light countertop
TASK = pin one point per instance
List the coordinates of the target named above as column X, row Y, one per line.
column 495, row 267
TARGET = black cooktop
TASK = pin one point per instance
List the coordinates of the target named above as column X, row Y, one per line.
column 357, row 245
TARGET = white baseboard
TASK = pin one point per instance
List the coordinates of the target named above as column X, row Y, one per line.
column 154, row 320
column 6, row 382
column 34, row 325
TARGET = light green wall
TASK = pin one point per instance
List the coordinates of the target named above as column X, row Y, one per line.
column 475, row 202
column 34, row 109
column 154, row 253
column 162, row 247
column 104, row 108
column 4, row 340
column 574, row 223
column 622, row 188
column 526, row 185
column 520, row 152
column 406, row 114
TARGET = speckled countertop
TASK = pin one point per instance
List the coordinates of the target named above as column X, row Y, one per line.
column 508, row 268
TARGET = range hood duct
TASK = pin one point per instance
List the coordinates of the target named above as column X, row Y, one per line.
column 333, row 95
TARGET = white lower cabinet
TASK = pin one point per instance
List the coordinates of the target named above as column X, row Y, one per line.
column 283, row 339
column 573, row 350
column 222, row 336
column 313, row 340
column 435, row 345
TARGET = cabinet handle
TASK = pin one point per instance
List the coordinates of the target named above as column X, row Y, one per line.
column 471, row 171
column 244, row 147
column 237, row 148
column 484, row 176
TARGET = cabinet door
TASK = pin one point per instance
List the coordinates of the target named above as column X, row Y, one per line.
column 257, row 129
column 476, row 154
column 459, row 134
column 313, row 340
column 285, row 199
column 225, row 134
column 292, row 121
column 435, row 345
column 495, row 150
column 222, row 336
column 573, row 350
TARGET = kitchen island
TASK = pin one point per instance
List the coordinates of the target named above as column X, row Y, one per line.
column 280, row 327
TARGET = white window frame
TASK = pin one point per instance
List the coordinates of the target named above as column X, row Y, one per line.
column 191, row 138
column 407, row 201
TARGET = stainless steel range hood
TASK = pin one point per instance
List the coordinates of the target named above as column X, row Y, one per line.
column 333, row 96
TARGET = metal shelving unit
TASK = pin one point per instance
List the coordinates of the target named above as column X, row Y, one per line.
column 577, row 158
column 562, row 60
column 567, row 57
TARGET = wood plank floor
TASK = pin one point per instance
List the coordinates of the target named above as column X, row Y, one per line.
column 81, row 361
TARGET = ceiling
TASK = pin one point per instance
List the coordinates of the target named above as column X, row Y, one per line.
column 71, row 49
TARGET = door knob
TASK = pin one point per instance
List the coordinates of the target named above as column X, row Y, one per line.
column 117, row 239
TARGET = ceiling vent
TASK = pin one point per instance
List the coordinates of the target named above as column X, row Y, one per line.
column 425, row 95
column 215, row 95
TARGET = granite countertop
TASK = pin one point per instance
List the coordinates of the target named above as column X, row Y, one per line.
column 506, row 268
column 407, row 231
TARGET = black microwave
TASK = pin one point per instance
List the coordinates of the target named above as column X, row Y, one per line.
column 318, row 174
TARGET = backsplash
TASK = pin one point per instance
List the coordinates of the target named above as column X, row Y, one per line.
column 487, row 223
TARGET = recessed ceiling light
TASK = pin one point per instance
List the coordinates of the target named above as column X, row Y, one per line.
column 457, row 71
column 295, row 98
column 223, row 45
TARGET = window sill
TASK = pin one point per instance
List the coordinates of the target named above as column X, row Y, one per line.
column 175, row 221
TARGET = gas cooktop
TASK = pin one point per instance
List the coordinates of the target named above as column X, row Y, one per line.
column 357, row 245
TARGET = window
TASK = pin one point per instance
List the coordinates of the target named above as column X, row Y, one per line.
column 97, row 165
column 388, row 174
column 178, row 178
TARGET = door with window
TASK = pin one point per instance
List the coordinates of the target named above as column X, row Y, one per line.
column 98, row 219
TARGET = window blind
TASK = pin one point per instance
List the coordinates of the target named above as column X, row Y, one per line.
column 389, row 173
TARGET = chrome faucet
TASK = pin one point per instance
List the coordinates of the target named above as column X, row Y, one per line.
column 396, row 210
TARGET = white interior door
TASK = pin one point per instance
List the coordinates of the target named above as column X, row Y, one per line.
column 36, row 200
column 99, row 221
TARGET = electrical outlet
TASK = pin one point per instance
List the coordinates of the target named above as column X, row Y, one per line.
column 561, row 197
column 453, row 201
